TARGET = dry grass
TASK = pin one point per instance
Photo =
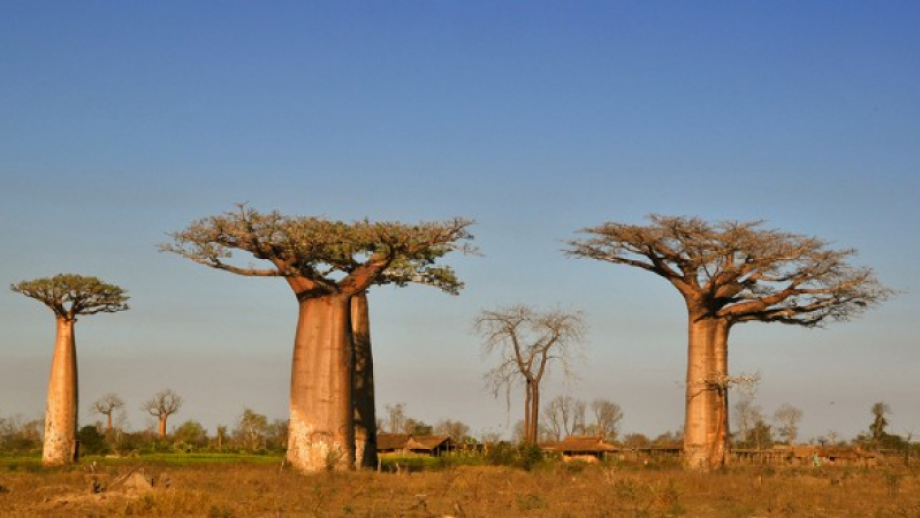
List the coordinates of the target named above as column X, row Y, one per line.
column 243, row 489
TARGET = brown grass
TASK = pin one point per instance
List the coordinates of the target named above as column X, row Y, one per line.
column 238, row 490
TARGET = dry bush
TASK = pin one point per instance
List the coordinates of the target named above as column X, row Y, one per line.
column 557, row 490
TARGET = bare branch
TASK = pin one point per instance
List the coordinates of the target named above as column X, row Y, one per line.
column 165, row 403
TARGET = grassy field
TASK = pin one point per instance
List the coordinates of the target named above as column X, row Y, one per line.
column 231, row 485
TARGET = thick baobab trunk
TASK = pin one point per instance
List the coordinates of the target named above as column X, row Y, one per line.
column 365, row 411
column 161, row 427
column 322, row 426
column 705, row 427
column 61, row 411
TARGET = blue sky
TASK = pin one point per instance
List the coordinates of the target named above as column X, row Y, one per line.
column 122, row 121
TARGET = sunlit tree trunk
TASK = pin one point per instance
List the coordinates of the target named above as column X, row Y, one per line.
column 61, row 410
column 534, row 412
column 528, row 411
column 365, row 411
column 704, row 430
column 721, row 443
column 322, row 425
column 161, row 427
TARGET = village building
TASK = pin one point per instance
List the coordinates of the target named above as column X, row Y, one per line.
column 399, row 443
column 585, row 448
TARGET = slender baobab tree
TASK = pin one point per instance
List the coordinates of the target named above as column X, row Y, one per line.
column 729, row 273
column 162, row 405
column 326, row 263
column 527, row 341
column 107, row 405
column 68, row 296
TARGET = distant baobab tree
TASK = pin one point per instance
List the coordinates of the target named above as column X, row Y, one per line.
column 327, row 264
column 729, row 273
column 107, row 405
column 527, row 342
column 162, row 405
column 68, row 296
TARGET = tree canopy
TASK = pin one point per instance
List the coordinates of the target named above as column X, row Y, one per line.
column 527, row 342
column 319, row 256
column 740, row 271
column 69, row 295
column 165, row 403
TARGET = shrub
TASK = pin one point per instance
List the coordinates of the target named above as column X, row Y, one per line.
column 91, row 441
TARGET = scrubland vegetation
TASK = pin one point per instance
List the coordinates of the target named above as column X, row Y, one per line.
column 223, row 485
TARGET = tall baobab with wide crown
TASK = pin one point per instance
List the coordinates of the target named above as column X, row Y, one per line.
column 729, row 273
column 68, row 296
column 326, row 263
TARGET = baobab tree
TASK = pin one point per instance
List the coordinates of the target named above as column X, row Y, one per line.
column 68, row 296
column 326, row 264
column 107, row 405
column 729, row 273
column 527, row 342
column 162, row 405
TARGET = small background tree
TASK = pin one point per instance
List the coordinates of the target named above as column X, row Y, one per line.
column 396, row 418
column 607, row 417
column 747, row 414
column 251, row 430
column 190, row 435
column 527, row 342
column 457, row 430
column 880, row 412
column 565, row 416
column 878, row 436
column 786, row 420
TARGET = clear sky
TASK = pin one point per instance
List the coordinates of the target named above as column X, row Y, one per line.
column 122, row 121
